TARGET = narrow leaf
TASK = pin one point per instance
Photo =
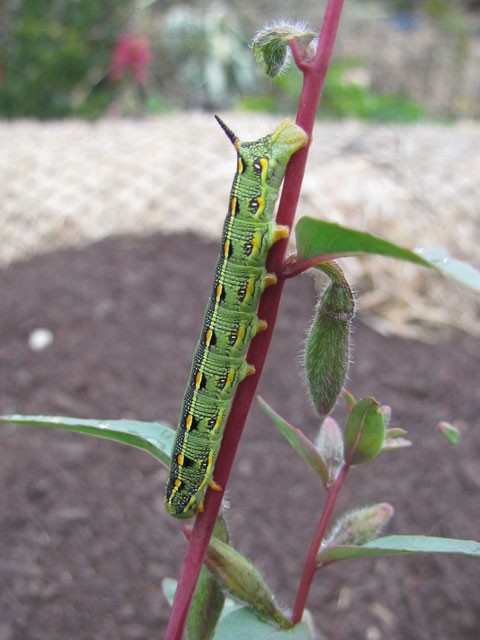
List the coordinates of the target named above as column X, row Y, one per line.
column 153, row 437
column 302, row 445
column 317, row 238
column 394, row 545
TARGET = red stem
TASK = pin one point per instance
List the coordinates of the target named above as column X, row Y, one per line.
column 314, row 75
column 311, row 560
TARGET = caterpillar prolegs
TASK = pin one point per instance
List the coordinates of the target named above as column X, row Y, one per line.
column 230, row 320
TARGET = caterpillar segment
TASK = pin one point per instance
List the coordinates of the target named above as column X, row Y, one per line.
column 230, row 319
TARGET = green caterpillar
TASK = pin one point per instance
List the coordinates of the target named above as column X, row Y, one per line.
column 230, row 320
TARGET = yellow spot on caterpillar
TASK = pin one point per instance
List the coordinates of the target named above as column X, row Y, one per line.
column 208, row 337
column 177, row 483
column 262, row 325
column 230, row 377
column 264, row 165
column 250, row 370
column 218, row 293
column 198, row 380
column 280, row 231
column 180, row 459
column 270, row 279
column 240, row 334
column 226, row 247
column 214, row 485
column 218, row 421
column 261, row 206
column 240, row 165
column 188, row 422
column 250, row 287
column 233, row 205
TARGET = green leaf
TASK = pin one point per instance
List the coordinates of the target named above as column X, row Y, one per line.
column 153, row 437
column 317, row 238
column 395, row 545
column 243, row 623
column 169, row 586
column 302, row 445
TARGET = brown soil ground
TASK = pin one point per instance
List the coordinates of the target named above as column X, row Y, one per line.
column 84, row 539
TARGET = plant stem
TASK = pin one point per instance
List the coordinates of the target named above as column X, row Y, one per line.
column 314, row 75
column 311, row 560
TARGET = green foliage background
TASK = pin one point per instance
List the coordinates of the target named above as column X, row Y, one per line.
column 55, row 54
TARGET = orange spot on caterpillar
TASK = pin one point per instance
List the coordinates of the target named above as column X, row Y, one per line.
column 180, row 459
column 240, row 166
column 177, row 483
column 198, row 380
column 188, row 422
column 218, row 293
column 270, row 279
column 226, row 247
column 208, row 337
column 214, row 485
column 233, row 205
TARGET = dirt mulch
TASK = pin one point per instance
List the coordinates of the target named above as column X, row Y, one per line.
column 84, row 539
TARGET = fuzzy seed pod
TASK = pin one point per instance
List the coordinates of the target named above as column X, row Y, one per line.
column 327, row 352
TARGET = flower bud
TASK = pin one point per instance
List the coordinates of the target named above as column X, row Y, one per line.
column 364, row 432
column 240, row 578
column 360, row 526
column 450, row 432
column 329, row 444
column 206, row 608
column 327, row 352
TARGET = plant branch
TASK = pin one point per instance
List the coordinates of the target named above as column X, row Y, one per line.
column 311, row 561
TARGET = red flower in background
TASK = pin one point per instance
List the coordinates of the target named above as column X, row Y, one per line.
column 131, row 53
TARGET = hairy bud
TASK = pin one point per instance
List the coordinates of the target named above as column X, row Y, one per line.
column 360, row 526
column 327, row 352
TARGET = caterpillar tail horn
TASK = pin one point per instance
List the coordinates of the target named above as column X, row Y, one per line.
column 229, row 133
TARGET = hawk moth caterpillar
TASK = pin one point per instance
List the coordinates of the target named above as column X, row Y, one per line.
column 230, row 320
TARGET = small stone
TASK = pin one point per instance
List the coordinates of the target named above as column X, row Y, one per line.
column 39, row 339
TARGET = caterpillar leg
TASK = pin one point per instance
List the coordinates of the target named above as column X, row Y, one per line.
column 214, row 485
column 261, row 326
column 280, row 231
column 270, row 279
column 250, row 370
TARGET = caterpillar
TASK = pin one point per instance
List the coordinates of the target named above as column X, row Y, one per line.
column 230, row 320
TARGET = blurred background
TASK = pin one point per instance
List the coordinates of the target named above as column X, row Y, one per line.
column 395, row 60
column 103, row 104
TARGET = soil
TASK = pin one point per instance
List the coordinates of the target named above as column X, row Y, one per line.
column 84, row 538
